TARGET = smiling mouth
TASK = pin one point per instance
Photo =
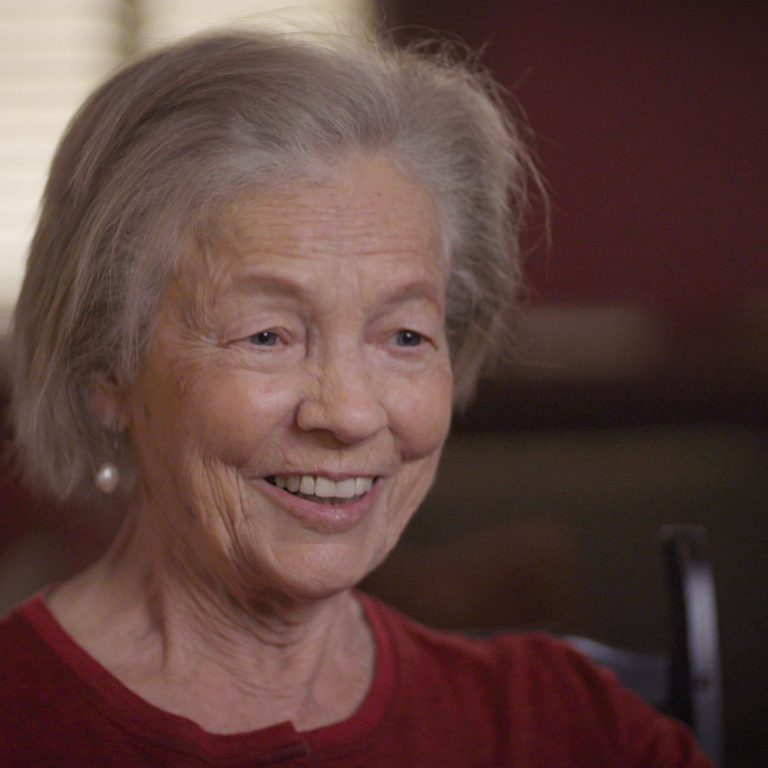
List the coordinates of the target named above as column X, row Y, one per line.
column 323, row 490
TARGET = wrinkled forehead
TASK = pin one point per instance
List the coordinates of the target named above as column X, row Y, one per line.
column 366, row 206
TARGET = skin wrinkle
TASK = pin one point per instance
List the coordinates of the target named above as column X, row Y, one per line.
column 241, row 607
column 206, row 268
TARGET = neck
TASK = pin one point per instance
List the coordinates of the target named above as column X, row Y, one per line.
column 228, row 659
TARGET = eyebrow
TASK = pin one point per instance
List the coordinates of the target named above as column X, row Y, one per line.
column 254, row 283
column 418, row 289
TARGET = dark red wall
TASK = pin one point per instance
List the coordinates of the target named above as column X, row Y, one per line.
column 652, row 123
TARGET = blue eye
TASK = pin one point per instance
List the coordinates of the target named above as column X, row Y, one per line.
column 406, row 338
column 264, row 339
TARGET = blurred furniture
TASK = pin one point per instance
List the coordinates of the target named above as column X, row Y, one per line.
column 695, row 684
column 524, row 574
column 687, row 683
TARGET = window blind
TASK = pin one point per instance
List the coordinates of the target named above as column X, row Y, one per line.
column 54, row 52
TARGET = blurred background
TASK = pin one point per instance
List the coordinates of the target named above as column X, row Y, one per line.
column 640, row 393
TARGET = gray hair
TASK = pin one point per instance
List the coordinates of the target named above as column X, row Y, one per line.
column 176, row 135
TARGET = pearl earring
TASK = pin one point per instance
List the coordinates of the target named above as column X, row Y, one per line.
column 108, row 475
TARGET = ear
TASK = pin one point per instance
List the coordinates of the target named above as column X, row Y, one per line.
column 109, row 402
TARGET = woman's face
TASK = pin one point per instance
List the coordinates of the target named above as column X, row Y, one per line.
column 290, row 416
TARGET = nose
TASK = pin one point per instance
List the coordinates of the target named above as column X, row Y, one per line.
column 344, row 400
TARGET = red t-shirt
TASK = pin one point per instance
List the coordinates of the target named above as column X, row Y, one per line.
column 437, row 699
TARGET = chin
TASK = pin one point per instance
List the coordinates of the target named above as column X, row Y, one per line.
column 302, row 571
column 326, row 570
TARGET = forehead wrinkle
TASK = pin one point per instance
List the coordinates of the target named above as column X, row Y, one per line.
column 313, row 231
column 352, row 197
column 341, row 216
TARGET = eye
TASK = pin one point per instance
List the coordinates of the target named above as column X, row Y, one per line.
column 406, row 338
column 264, row 339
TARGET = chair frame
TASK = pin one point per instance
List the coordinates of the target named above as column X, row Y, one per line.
column 695, row 677
column 687, row 683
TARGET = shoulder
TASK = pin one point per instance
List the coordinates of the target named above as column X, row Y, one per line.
column 27, row 684
column 21, row 646
column 29, row 665
column 514, row 658
column 41, row 696
column 535, row 695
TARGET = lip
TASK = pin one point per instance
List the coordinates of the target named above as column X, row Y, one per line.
column 323, row 518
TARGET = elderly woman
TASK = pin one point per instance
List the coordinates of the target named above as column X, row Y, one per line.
column 265, row 269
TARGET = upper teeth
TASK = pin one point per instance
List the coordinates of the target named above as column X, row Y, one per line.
column 317, row 485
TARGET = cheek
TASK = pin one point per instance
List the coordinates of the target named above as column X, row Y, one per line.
column 420, row 414
column 210, row 412
column 236, row 414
